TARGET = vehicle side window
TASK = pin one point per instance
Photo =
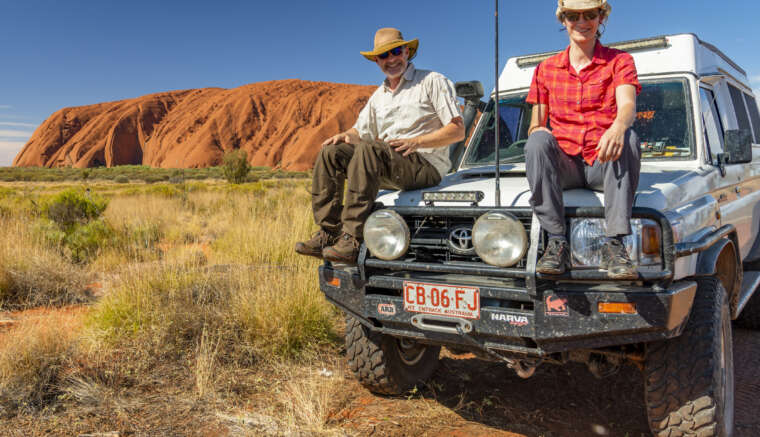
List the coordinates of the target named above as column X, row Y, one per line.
column 711, row 122
column 741, row 111
column 753, row 115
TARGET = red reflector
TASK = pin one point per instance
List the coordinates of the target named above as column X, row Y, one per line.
column 335, row 282
column 617, row 307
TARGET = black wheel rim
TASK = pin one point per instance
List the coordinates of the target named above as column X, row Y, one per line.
column 410, row 351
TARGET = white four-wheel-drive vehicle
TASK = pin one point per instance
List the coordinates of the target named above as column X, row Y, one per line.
column 447, row 266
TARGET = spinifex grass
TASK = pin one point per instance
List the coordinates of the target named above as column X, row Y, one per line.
column 199, row 278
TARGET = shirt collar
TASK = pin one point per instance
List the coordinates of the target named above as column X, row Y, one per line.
column 407, row 76
column 563, row 60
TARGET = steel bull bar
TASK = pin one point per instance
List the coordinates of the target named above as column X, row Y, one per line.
column 527, row 326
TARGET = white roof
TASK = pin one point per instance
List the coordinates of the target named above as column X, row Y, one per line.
column 684, row 53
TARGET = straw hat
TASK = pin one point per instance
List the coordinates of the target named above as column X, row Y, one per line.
column 581, row 5
column 388, row 38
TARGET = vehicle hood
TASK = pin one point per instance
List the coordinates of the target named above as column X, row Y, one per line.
column 659, row 187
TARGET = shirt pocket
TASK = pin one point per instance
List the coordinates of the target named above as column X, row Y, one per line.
column 596, row 91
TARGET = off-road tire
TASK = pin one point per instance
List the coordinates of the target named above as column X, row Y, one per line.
column 689, row 385
column 749, row 318
column 376, row 360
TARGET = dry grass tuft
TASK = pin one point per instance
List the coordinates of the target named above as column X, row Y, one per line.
column 250, row 312
column 32, row 274
column 32, row 360
column 206, row 364
column 308, row 401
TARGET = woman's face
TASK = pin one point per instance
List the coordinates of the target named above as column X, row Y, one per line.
column 582, row 25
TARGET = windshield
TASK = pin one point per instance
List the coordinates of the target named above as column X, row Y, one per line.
column 663, row 124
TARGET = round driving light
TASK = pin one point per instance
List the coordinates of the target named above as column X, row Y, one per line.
column 586, row 241
column 386, row 234
column 499, row 239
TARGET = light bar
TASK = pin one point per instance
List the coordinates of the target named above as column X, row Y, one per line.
column 626, row 46
column 452, row 196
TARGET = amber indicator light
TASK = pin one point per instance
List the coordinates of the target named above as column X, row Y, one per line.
column 617, row 307
column 650, row 240
column 335, row 282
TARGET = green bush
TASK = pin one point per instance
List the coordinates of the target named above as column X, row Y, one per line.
column 74, row 226
column 84, row 242
column 74, row 207
column 235, row 166
column 121, row 179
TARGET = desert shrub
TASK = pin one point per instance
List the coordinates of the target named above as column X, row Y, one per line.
column 236, row 166
column 121, row 179
column 86, row 173
column 84, row 242
column 153, row 178
column 78, row 231
column 73, row 207
column 177, row 176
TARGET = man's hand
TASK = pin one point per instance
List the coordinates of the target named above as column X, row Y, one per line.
column 406, row 146
column 347, row 137
column 611, row 144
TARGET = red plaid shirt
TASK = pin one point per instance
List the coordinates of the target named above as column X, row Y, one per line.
column 582, row 106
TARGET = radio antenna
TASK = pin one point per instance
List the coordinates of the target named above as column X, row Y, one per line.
column 496, row 115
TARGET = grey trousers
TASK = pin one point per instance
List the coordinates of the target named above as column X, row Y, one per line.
column 365, row 168
column 550, row 170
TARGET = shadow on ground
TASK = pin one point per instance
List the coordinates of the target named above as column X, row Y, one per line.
column 471, row 397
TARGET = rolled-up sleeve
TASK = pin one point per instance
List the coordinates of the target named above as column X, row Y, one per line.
column 538, row 93
column 443, row 97
column 625, row 72
column 365, row 123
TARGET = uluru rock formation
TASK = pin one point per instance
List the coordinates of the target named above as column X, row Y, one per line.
column 278, row 123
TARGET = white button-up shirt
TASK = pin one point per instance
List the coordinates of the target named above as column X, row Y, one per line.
column 423, row 102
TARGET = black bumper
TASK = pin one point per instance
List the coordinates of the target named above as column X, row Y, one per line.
column 561, row 317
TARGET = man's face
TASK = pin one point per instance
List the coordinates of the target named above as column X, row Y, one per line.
column 394, row 66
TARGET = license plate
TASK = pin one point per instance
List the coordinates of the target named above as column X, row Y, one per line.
column 442, row 300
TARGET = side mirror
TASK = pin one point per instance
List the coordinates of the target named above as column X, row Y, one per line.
column 738, row 148
column 472, row 90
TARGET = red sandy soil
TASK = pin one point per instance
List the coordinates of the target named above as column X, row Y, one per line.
column 278, row 123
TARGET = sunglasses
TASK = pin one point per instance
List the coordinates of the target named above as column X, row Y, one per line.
column 394, row 51
column 575, row 16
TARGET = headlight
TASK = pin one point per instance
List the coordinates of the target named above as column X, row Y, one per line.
column 499, row 239
column 587, row 238
column 386, row 234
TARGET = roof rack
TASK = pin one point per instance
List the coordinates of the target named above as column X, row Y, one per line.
column 626, row 46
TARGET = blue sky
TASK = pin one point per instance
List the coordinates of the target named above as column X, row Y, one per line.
column 57, row 54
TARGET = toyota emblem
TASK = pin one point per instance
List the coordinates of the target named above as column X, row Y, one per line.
column 460, row 240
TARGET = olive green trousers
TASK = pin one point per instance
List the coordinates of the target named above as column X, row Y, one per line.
column 365, row 169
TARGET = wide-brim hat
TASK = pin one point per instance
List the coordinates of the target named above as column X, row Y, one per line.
column 389, row 38
column 582, row 5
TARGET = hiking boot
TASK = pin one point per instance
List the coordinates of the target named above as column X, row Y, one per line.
column 615, row 259
column 345, row 251
column 319, row 240
column 556, row 259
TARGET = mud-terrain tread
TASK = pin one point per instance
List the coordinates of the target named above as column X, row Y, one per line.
column 375, row 364
column 679, row 385
column 749, row 318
